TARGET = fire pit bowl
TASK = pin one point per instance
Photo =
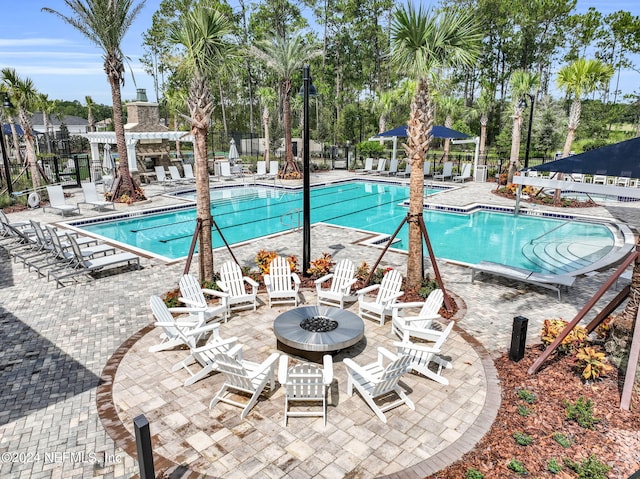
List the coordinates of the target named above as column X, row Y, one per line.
column 311, row 331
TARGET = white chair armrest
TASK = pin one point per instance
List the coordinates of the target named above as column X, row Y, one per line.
column 326, row 277
column 409, row 319
column 180, row 309
column 351, row 365
column 195, row 306
column 236, row 352
column 296, row 278
column 414, row 304
column 385, row 353
column 215, row 327
column 267, row 279
column 416, row 347
column 367, row 289
column 216, row 344
column 327, row 369
column 268, row 363
column 213, row 292
column 251, row 281
column 391, row 299
column 223, row 285
column 283, row 368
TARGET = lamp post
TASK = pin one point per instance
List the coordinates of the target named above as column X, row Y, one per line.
column 307, row 90
column 526, row 151
column 5, row 157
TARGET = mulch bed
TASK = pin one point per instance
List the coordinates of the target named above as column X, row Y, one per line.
column 615, row 439
column 543, row 199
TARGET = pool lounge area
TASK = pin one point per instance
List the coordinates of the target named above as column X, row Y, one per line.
column 96, row 335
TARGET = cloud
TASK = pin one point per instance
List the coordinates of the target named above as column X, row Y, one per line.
column 30, row 42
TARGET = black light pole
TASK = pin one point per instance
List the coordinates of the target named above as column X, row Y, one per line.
column 5, row 157
column 306, row 186
column 526, row 151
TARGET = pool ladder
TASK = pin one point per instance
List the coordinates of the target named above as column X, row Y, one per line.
column 292, row 219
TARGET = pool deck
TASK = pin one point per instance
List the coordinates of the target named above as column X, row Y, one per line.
column 76, row 369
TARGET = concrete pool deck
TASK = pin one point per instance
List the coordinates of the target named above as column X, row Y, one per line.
column 59, row 344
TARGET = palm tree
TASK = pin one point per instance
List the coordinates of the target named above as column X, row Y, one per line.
column 105, row 23
column 423, row 44
column 449, row 106
column 202, row 32
column 176, row 101
column 483, row 107
column 523, row 86
column 48, row 107
column 285, row 56
column 578, row 79
column 268, row 99
column 90, row 118
column 24, row 97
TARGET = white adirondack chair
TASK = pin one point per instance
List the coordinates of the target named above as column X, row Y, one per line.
column 305, row 383
column 423, row 355
column 381, row 305
column 282, row 284
column 235, row 284
column 408, row 325
column 379, row 379
column 169, row 337
column 244, row 377
column 193, row 296
column 341, row 281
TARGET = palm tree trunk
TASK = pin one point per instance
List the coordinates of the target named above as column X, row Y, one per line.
column 483, row 137
column 267, row 139
column 32, row 158
column 418, row 131
column 291, row 166
column 125, row 184
column 515, row 144
column 574, row 120
column 203, row 201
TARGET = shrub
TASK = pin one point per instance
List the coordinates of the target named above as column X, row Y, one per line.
column 554, row 466
column 473, row 474
column 592, row 362
column 561, row 439
column 522, row 438
column 5, row 201
column 590, row 468
column 427, row 286
column 581, row 412
column 362, row 271
column 264, row 257
column 171, row 299
column 526, row 396
column 379, row 273
column 517, row 466
column 320, row 266
column 552, row 328
column 524, row 411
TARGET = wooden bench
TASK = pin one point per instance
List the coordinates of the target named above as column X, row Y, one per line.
column 553, row 282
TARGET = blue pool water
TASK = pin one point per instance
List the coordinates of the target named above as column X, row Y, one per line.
column 538, row 244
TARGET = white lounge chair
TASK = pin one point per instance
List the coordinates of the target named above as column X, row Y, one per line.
column 393, row 168
column 368, row 167
column 162, row 177
column 225, row 171
column 192, row 294
column 244, row 377
column 87, row 266
column 407, row 170
column 382, row 164
column 273, row 170
column 422, row 356
column 188, row 173
column 175, row 175
column 57, row 202
column 305, row 383
column 411, row 325
column 342, row 279
column 235, row 285
column 447, row 171
column 426, row 169
column 261, row 170
column 91, row 198
column 379, row 379
column 282, row 283
column 387, row 293
column 465, row 174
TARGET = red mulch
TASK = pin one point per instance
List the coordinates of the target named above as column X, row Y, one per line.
column 543, row 199
column 615, row 440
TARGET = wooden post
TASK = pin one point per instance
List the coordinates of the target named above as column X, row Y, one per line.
column 632, row 366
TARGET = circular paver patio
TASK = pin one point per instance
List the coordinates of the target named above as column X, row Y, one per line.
column 447, row 422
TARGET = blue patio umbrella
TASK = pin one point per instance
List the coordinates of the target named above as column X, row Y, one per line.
column 6, row 129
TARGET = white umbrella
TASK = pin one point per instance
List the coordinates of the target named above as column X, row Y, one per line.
column 107, row 161
column 233, row 152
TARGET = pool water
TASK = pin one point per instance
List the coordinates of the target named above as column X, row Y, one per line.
column 245, row 213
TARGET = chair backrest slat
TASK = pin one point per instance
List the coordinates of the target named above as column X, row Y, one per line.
column 190, row 289
column 231, row 275
column 433, row 303
column 391, row 284
column 234, row 372
column 280, row 274
column 391, row 375
column 342, row 276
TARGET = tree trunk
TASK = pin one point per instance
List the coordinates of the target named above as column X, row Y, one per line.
column 124, row 185
column 267, row 139
column 515, row 144
column 29, row 141
column 448, row 122
column 203, row 200
column 178, row 145
column 574, row 121
column 484, row 120
column 418, row 131
column 290, row 166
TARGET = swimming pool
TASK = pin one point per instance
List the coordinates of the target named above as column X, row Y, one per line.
column 247, row 212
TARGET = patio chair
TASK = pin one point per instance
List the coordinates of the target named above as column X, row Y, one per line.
column 57, row 202
column 169, row 337
column 175, row 175
column 393, row 168
column 244, row 377
column 225, row 171
column 407, row 170
column 368, row 167
column 387, row 293
column 405, row 325
column 447, row 171
column 192, row 294
column 91, row 198
column 282, row 283
column 382, row 164
column 342, row 279
column 235, row 285
column 426, row 169
column 273, row 170
column 305, row 383
column 162, row 177
column 379, row 380
column 188, row 173
column 261, row 170
column 87, row 266
column 465, row 174
column 422, row 356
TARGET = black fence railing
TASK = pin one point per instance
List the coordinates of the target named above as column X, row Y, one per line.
column 66, row 171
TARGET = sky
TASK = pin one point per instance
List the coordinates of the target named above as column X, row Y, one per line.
column 64, row 65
